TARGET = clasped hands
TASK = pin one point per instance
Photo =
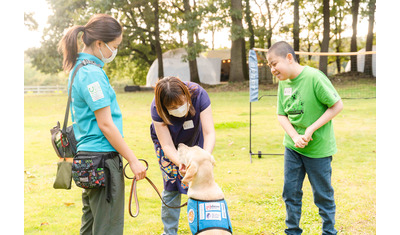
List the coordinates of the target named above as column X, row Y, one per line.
column 301, row 141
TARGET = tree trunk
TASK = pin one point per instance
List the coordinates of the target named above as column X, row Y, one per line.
column 157, row 40
column 338, row 35
column 353, row 45
column 269, row 30
column 249, row 24
column 194, row 74
column 238, row 51
column 296, row 29
column 370, row 37
column 213, row 38
column 323, row 60
column 338, row 58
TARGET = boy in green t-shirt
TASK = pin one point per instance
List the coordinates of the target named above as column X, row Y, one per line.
column 307, row 102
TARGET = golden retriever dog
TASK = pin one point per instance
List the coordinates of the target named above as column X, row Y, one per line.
column 207, row 209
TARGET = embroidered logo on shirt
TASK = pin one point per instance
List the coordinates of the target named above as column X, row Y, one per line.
column 95, row 91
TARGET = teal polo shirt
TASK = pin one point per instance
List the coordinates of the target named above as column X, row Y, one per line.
column 92, row 91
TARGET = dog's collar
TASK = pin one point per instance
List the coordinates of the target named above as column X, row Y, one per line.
column 216, row 200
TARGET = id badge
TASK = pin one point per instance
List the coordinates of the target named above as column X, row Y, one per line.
column 188, row 125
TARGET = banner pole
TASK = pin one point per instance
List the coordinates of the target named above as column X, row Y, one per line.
column 253, row 95
column 253, row 87
column 251, row 160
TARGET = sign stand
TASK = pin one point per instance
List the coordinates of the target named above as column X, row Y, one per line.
column 253, row 86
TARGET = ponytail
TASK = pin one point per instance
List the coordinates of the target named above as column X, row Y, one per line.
column 69, row 47
column 100, row 27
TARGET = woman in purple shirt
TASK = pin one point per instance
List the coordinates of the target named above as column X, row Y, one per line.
column 181, row 113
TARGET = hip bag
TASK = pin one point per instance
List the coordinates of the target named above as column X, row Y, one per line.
column 90, row 170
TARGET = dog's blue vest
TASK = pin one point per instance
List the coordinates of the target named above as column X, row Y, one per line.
column 205, row 215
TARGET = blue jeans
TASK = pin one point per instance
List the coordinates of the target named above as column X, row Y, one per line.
column 169, row 216
column 319, row 173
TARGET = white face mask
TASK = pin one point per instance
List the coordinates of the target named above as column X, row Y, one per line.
column 111, row 58
column 181, row 111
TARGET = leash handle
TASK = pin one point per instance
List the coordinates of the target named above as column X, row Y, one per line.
column 134, row 192
column 131, row 178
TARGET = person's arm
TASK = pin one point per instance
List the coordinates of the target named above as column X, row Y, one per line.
column 329, row 114
column 207, row 124
column 289, row 129
column 111, row 132
column 164, row 136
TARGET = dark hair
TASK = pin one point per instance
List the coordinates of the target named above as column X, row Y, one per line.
column 168, row 91
column 100, row 27
column 281, row 49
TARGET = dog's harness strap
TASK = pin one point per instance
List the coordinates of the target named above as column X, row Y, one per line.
column 219, row 228
column 134, row 193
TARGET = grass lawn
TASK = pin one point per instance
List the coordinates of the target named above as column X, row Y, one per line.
column 252, row 190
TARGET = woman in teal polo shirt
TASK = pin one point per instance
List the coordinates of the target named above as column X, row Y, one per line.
column 97, row 120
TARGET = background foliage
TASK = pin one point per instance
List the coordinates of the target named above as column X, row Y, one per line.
column 264, row 21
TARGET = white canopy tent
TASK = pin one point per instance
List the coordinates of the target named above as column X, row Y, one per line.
column 209, row 68
column 361, row 62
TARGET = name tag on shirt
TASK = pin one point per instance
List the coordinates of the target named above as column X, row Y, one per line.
column 288, row 91
column 188, row 125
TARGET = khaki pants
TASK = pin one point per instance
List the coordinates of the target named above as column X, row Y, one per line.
column 102, row 217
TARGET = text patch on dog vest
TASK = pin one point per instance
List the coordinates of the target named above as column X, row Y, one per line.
column 201, row 211
column 208, row 214
column 191, row 216
column 213, row 216
column 213, row 206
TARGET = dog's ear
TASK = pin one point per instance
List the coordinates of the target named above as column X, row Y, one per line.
column 191, row 171
column 182, row 152
column 212, row 160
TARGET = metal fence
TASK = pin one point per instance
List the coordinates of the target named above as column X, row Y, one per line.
column 45, row 89
column 62, row 89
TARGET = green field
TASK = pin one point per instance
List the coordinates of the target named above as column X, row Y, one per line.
column 252, row 190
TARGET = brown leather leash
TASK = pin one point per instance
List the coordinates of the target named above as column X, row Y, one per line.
column 134, row 192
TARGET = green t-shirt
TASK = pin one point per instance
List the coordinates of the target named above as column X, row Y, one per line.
column 303, row 100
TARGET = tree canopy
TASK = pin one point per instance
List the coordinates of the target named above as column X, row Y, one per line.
column 153, row 27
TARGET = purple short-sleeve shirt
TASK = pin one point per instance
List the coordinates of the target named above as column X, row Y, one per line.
column 183, row 129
